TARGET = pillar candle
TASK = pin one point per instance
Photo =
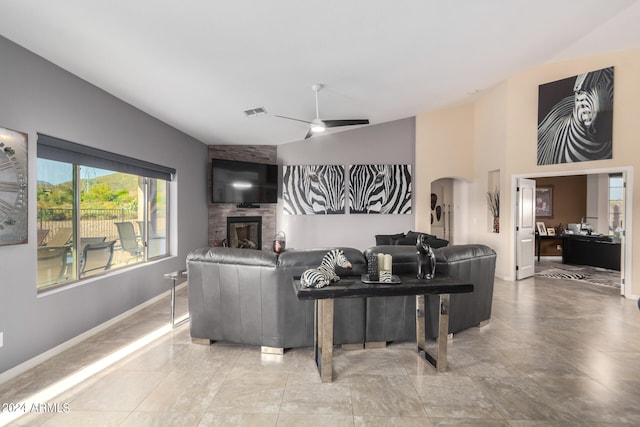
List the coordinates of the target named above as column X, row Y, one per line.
column 387, row 262
column 380, row 262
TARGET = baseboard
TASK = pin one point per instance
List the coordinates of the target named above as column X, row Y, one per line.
column 42, row 357
column 375, row 344
column 352, row 347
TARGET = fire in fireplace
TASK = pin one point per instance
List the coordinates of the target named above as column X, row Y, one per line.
column 244, row 232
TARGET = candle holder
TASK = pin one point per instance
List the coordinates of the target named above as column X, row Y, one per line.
column 279, row 242
column 385, row 276
column 373, row 268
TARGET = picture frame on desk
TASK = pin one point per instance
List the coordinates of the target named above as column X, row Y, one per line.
column 542, row 230
column 551, row 231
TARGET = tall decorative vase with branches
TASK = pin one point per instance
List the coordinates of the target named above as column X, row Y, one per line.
column 493, row 202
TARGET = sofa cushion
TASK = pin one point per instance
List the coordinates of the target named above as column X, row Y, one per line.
column 412, row 237
column 387, row 239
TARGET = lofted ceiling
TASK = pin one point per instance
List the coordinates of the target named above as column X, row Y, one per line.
column 198, row 64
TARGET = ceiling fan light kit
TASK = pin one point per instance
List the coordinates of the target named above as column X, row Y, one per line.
column 317, row 125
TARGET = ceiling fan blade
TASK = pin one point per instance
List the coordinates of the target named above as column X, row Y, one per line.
column 291, row 118
column 309, row 134
column 352, row 122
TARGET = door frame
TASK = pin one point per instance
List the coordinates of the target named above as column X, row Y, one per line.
column 626, row 272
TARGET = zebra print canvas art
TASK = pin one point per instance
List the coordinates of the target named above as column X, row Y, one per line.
column 313, row 190
column 380, row 189
column 575, row 118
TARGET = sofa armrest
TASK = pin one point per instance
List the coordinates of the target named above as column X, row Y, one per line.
column 458, row 253
column 473, row 263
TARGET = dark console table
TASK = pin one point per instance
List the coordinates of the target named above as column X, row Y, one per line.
column 596, row 251
column 353, row 288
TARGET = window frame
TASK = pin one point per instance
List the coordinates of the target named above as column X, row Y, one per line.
column 66, row 152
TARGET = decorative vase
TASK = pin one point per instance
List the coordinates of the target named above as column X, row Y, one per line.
column 496, row 224
column 425, row 259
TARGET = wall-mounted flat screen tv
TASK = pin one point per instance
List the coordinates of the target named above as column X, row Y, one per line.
column 243, row 182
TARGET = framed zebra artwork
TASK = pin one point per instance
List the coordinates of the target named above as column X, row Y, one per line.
column 575, row 118
column 380, row 189
column 313, row 189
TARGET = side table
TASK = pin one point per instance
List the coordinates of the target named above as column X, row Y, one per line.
column 175, row 276
column 350, row 288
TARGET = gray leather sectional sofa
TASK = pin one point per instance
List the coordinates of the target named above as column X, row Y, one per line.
column 246, row 296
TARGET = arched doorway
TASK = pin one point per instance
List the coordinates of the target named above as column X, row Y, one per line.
column 446, row 199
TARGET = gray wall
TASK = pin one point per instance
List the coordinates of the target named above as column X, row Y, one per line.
column 386, row 143
column 38, row 96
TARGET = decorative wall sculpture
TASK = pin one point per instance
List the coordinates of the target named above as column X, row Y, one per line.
column 313, row 189
column 380, row 189
column 437, row 214
column 13, row 187
column 575, row 118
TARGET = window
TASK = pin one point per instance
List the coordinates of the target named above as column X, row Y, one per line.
column 97, row 211
column 616, row 202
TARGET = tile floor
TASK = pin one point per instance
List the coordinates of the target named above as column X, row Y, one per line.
column 556, row 353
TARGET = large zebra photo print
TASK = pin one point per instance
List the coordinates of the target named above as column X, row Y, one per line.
column 575, row 118
column 380, row 189
column 313, row 189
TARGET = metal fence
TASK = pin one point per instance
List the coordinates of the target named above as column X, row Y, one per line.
column 93, row 222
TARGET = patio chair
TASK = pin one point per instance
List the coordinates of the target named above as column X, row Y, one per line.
column 84, row 241
column 96, row 256
column 150, row 225
column 42, row 234
column 52, row 264
column 129, row 241
column 62, row 237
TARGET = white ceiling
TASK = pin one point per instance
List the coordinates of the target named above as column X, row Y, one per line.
column 198, row 64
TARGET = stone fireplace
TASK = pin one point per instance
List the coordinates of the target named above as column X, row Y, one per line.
column 244, row 232
column 218, row 231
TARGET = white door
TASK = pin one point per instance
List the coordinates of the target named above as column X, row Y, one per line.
column 525, row 228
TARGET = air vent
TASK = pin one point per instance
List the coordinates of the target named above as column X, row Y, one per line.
column 257, row 111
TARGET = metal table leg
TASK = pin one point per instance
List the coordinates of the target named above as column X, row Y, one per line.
column 175, row 276
column 323, row 338
column 439, row 360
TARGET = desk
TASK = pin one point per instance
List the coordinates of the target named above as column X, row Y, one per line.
column 354, row 288
column 539, row 238
column 596, row 251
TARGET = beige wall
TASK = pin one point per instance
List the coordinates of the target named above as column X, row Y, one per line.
column 504, row 137
column 444, row 141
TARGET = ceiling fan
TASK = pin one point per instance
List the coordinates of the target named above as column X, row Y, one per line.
column 319, row 125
